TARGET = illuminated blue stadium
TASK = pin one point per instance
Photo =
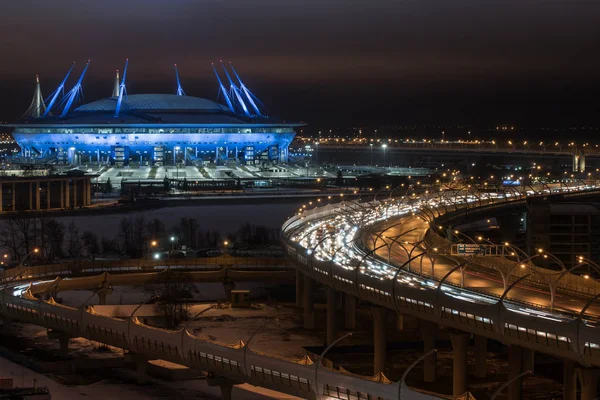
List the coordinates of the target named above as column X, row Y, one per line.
column 151, row 129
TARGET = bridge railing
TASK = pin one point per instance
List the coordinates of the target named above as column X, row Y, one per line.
column 141, row 265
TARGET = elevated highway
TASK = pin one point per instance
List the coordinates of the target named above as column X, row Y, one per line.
column 391, row 254
column 21, row 299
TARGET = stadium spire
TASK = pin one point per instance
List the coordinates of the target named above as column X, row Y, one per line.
column 60, row 89
column 180, row 91
column 115, row 92
column 37, row 107
column 122, row 90
column 222, row 90
column 235, row 91
column 246, row 91
column 74, row 92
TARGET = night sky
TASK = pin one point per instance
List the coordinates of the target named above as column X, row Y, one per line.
column 331, row 63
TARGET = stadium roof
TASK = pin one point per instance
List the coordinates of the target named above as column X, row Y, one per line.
column 155, row 103
column 151, row 109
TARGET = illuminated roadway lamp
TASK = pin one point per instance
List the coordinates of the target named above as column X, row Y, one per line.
column 156, row 256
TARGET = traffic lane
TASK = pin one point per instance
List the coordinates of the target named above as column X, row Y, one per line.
column 481, row 280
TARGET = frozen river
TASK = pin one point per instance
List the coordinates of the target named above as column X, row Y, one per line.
column 221, row 218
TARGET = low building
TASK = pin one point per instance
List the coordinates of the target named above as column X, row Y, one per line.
column 567, row 230
column 52, row 192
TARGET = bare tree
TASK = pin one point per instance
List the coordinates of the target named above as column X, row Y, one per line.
column 171, row 289
column 55, row 233
column 126, row 232
column 90, row 241
column 155, row 228
column 73, row 241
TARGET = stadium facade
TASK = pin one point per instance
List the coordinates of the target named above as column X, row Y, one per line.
column 152, row 129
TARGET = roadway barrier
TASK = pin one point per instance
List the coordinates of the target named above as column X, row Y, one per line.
column 81, row 267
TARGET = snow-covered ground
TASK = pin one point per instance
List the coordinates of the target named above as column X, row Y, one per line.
column 124, row 390
column 113, row 388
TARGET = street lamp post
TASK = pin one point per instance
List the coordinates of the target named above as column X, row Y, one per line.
column 384, row 147
column 197, row 315
column 371, row 147
column 501, row 388
column 153, row 297
column 414, row 364
column 27, row 255
column 175, row 150
column 318, row 362
column 250, row 339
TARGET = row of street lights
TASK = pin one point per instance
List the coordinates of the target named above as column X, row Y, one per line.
column 5, row 257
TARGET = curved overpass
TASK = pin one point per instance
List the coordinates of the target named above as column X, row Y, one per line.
column 410, row 271
column 235, row 363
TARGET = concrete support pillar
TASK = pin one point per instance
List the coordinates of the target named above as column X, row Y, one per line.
column 429, row 333
column 6, row 327
column 224, row 384
column 30, row 195
column 67, row 195
column 48, row 196
column 588, row 379
column 399, row 322
column 74, row 200
column 88, row 193
column 307, row 298
column 84, row 193
column 141, row 369
column 14, row 197
column 226, row 391
column 349, row 312
column 38, row 202
column 480, row 356
column 331, row 315
column 299, row 288
column 141, row 366
column 460, row 344
column 1, row 198
column 528, row 360
column 63, row 340
column 379, row 341
column 228, row 286
column 515, row 367
column 62, row 194
column 569, row 380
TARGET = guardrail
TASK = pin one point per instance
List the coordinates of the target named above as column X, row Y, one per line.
column 143, row 264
